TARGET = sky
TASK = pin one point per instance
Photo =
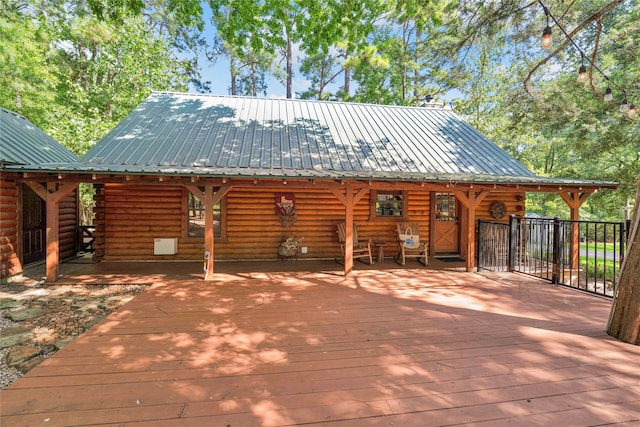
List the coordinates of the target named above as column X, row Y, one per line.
column 218, row 73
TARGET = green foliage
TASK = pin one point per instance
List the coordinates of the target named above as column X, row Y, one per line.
column 77, row 68
column 76, row 76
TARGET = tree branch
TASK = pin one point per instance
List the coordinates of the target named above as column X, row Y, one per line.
column 594, row 17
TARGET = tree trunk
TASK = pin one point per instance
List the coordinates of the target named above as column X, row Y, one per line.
column 289, row 69
column 233, row 72
column 347, row 77
column 624, row 320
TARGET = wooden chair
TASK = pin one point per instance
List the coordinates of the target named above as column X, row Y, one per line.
column 409, row 243
column 361, row 249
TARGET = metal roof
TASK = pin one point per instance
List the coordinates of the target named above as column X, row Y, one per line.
column 207, row 135
column 21, row 142
column 259, row 135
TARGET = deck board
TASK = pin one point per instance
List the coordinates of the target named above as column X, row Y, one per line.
column 409, row 347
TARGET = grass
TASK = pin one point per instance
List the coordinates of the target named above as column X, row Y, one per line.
column 600, row 246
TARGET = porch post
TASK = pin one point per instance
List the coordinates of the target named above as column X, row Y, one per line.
column 470, row 201
column 348, row 239
column 52, row 193
column 208, row 230
column 349, row 200
column 53, row 244
column 574, row 200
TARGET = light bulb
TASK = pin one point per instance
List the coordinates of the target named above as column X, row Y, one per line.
column 624, row 107
column 608, row 95
column 547, row 39
column 582, row 74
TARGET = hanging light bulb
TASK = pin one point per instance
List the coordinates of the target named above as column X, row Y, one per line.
column 624, row 107
column 547, row 39
column 608, row 95
column 632, row 110
column 582, row 73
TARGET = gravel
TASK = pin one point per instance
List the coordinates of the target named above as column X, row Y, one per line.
column 67, row 311
column 7, row 373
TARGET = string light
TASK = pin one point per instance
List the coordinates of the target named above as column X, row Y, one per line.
column 547, row 39
column 608, row 95
column 582, row 72
column 624, row 107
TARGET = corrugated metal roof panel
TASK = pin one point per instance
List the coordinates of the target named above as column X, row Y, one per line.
column 22, row 142
column 222, row 132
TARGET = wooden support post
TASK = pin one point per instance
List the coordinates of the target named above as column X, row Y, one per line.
column 52, row 193
column 53, row 244
column 209, row 198
column 574, row 200
column 349, row 200
column 348, row 241
column 470, row 201
column 208, row 231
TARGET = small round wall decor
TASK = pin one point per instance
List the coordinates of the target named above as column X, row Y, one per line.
column 498, row 210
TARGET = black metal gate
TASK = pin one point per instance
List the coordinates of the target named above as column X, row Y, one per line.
column 581, row 254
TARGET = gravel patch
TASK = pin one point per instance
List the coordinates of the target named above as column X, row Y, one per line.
column 57, row 315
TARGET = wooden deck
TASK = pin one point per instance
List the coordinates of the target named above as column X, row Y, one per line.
column 392, row 347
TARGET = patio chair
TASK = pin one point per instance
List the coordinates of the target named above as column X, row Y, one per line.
column 361, row 249
column 409, row 243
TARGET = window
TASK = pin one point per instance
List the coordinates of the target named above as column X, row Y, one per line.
column 446, row 207
column 195, row 209
column 388, row 204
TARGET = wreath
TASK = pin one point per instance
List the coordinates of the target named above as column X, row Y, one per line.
column 498, row 210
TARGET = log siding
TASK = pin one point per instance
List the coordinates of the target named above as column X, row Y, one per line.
column 11, row 236
column 130, row 217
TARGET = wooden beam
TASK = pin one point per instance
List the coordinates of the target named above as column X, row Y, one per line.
column 349, row 199
column 348, row 241
column 574, row 199
column 470, row 201
column 39, row 189
column 52, row 193
column 209, row 230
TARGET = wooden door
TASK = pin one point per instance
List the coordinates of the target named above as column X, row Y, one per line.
column 447, row 224
column 34, row 226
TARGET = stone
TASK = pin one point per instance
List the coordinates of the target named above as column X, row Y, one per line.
column 26, row 314
column 20, row 354
column 27, row 365
column 10, row 303
column 14, row 338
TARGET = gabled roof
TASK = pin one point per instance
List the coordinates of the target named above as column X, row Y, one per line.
column 21, row 142
column 185, row 134
column 267, row 136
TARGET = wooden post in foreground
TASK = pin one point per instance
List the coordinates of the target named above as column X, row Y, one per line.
column 624, row 320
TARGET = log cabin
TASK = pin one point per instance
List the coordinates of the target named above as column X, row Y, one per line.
column 23, row 214
column 184, row 175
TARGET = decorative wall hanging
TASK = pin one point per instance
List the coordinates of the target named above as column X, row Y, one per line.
column 286, row 208
column 498, row 210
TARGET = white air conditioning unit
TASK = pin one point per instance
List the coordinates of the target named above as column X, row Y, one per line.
column 165, row 246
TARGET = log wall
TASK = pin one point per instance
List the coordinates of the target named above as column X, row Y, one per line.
column 11, row 222
column 129, row 218
column 10, row 264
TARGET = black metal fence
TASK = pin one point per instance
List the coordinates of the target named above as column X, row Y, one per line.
column 581, row 254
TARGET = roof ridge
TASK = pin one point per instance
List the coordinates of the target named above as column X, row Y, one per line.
column 311, row 101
